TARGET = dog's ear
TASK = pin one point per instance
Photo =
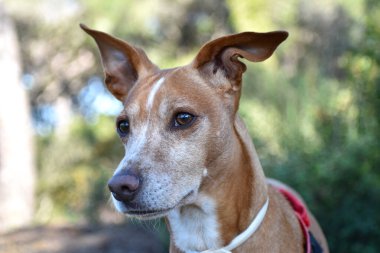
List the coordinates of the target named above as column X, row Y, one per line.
column 123, row 64
column 222, row 54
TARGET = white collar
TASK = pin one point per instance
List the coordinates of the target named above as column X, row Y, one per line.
column 241, row 238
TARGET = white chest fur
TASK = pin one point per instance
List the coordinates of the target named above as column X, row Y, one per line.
column 195, row 227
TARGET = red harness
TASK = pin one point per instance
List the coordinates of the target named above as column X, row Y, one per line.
column 301, row 213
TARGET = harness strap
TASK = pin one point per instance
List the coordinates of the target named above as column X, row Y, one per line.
column 311, row 244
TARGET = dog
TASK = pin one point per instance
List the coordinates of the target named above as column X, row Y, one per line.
column 189, row 157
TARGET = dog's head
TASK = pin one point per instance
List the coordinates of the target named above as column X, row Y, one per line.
column 177, row 124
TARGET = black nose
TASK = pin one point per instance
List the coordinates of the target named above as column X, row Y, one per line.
column 124, row 186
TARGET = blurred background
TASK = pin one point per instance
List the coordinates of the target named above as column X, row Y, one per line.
column 313, row 110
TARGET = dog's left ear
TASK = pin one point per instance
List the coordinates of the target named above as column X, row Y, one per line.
column 222, row 54
column 123, row 63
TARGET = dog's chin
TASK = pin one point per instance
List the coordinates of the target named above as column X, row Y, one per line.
column 142, row 213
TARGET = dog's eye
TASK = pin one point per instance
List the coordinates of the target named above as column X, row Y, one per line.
column 123, row 127
column 183, row 119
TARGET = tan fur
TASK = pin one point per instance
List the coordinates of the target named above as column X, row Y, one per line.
column 206, row 179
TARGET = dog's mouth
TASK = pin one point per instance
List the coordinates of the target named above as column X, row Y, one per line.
column 147, row 213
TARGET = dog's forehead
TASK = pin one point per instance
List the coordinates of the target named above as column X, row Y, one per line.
column 166, row 89
column 137, row 99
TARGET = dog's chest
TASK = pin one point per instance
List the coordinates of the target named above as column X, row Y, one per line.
column 195, row 229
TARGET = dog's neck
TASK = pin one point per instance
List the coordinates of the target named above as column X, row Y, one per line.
column 221, row 211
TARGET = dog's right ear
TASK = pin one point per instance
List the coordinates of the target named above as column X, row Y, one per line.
column 123, row 64
column 223, row 54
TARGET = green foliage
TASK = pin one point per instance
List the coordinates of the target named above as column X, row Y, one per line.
column 317, row 128
column 74, row 168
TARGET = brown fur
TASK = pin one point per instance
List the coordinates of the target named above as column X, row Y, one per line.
column 210, row 88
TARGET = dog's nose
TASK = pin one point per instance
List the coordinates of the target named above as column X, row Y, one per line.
column 124, row 186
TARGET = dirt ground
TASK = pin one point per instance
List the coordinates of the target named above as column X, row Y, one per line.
column 123, row 238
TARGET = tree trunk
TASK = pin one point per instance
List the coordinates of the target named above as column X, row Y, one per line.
column 17, row 172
